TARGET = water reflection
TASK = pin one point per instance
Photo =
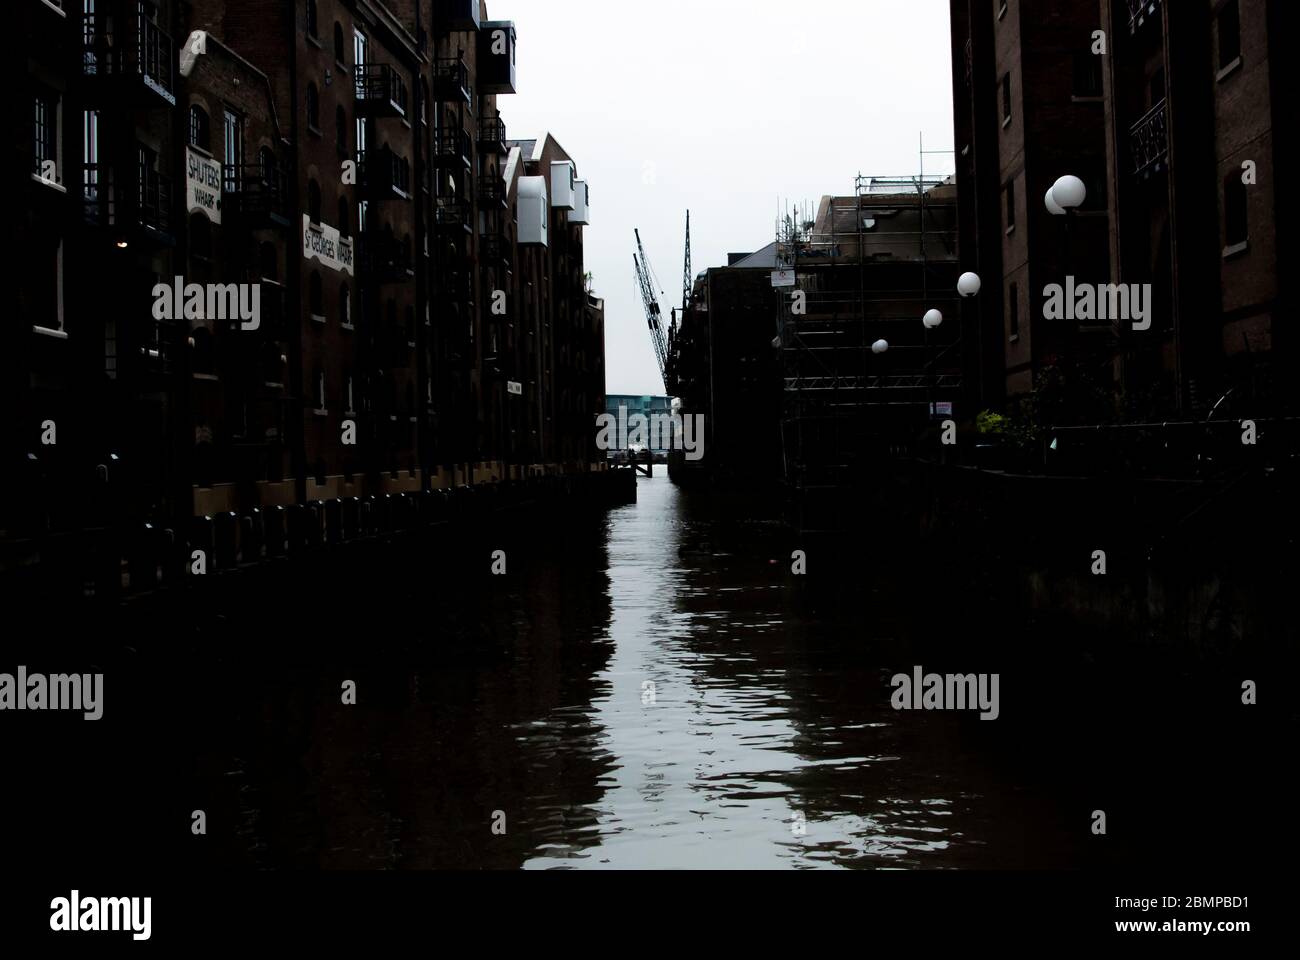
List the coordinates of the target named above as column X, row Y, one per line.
column 649, row 688
column 767, row 743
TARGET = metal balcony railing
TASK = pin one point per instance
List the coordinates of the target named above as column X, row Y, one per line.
column 1149, row 141
column 848, row 382
column 154, row 201
column 151, row 197
column 452, row 214
column 450, row 79
column 494, row 249
column 455, row 286
column 257, row 192
column 492, row 133
column 143, row 49
column 380, row 171
column 386, row 258
column 451, row 146
column 492, row 192
column 380, row 89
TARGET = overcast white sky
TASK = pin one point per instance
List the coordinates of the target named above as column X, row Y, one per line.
column 722, row 107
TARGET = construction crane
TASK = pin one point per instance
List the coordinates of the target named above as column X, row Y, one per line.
column 679, row 312
column 687, row 280
column 653, row 313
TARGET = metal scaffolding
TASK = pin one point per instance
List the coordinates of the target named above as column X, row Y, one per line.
column 865, row 270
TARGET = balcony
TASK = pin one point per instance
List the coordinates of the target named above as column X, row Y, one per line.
column 492, row 136
column 452, row 216
column 581, row 214
column 258, row 196
column 1149, row 142
column 1139, row 12
column 456, row 14
column 496, row 57
column 492, row 194
column 383, row 175
column 451, row 148
column 385, row 259
column 142, row 208
column 494, row 251
column 134, row 64
column 450, row 81
column 455, row 285
column 381, row 91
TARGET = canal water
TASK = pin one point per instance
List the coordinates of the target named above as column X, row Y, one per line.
column 645, row 687
column 650, row 687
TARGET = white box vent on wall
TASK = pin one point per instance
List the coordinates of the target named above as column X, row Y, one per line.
column 581, row 214
column 562, row 177
column 533, row 211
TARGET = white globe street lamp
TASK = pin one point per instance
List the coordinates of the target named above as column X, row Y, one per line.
column 968, row 284
column 880, row 346
column 933, row 319
column 1069, row 192
column 1054, row 208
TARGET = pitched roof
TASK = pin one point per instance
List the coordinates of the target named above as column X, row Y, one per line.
column 764, row 259
column 526, row 147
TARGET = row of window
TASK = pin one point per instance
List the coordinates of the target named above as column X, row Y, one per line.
column 316, row 299
column 316, row 305
column 46, row 156
column 1088, row 66
column 1228, row 20
column 45, row 142
column 314, row 210
column 233, row 126
column 321, row 392
column 313, row 31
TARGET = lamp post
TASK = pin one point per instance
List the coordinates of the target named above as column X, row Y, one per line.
column 932, row 320
column 969, row 285
column 1064, row 197
column 879, row 348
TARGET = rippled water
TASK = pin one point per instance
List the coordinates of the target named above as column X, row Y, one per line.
column 522, row 703
column 647, row 689
column 745, row 738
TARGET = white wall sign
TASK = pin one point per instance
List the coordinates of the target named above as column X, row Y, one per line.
column 202, row 185
column 322, row 242
column 515, row 388
column 783, row 278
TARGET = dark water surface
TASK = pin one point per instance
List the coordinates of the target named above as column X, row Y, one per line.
column 766, row 741
column 525, row 701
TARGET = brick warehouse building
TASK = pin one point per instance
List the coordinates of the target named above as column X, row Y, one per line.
column 347, row 158
column 1159, row 127
column 557, row 350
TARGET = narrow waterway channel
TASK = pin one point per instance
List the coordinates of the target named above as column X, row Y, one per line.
column 650, row 687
